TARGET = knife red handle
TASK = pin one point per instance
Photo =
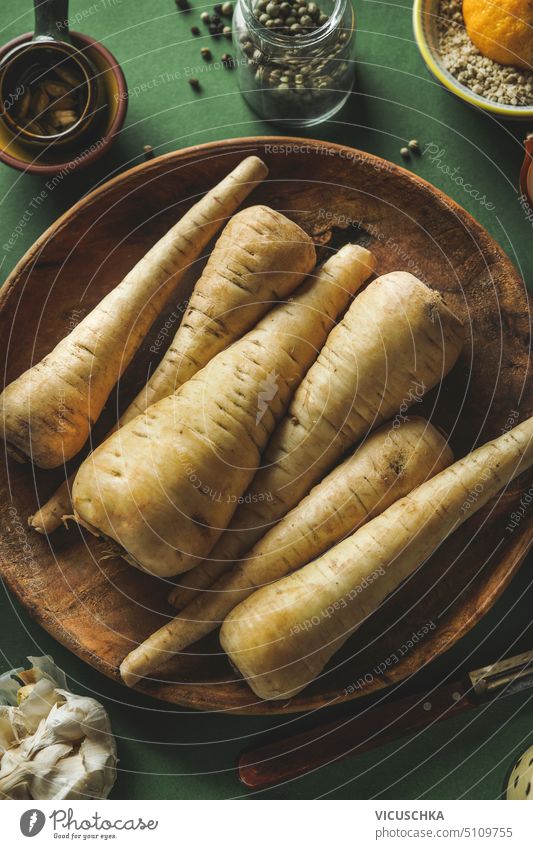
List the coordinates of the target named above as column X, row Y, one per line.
column 282, row 760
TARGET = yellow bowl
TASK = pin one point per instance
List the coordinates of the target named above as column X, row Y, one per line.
column 425, row 18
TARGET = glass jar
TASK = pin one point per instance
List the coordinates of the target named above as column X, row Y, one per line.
column 298, row 74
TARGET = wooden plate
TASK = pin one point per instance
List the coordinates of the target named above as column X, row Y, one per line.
column 99, row 606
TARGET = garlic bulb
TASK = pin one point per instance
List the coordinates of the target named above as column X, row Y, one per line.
column 53, row 744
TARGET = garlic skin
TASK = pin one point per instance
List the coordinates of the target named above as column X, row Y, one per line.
column 53, row 744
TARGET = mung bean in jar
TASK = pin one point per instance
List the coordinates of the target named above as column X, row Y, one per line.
column 295, row 58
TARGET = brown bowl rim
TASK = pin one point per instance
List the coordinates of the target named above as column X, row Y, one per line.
column 195, row 695
column 106, row 139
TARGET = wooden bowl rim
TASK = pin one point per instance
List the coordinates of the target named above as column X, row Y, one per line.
column 233, row 145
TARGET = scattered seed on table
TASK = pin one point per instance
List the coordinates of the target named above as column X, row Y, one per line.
column 215, row 19
column 213, row 31
column 227, row 60
column 206, row 53
column 195, row 31
column 405, row 152
column 227, row 32
column 183, row 5
column 194, row 83
column 218, row 8
column 227, row 9
column 148, row 152
column 414, row 145
column 204, row 17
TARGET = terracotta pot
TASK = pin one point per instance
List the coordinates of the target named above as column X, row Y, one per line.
column 526, row 174
column 53, row 160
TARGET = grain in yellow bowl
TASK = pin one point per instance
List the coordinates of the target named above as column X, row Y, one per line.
column 429, row 19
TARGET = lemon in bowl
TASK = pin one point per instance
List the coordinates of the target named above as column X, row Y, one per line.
column 503, row 31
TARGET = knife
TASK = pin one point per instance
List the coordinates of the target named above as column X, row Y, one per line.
column 282, row 760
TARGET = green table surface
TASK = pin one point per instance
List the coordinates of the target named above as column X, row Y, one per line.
column 170, row 753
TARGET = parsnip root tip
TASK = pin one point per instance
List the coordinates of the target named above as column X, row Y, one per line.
column 129, row 678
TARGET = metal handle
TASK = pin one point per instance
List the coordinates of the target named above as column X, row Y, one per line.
column 51, row 20
column 510, row 675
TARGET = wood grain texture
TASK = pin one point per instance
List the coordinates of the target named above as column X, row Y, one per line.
column 100, row 607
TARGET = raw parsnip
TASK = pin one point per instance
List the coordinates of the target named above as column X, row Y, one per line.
column 283, row 635
column 49, row 517
column 165, row 485
column 260, row 258
column 388, row 465
column 397, row 340
column 46, row 413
